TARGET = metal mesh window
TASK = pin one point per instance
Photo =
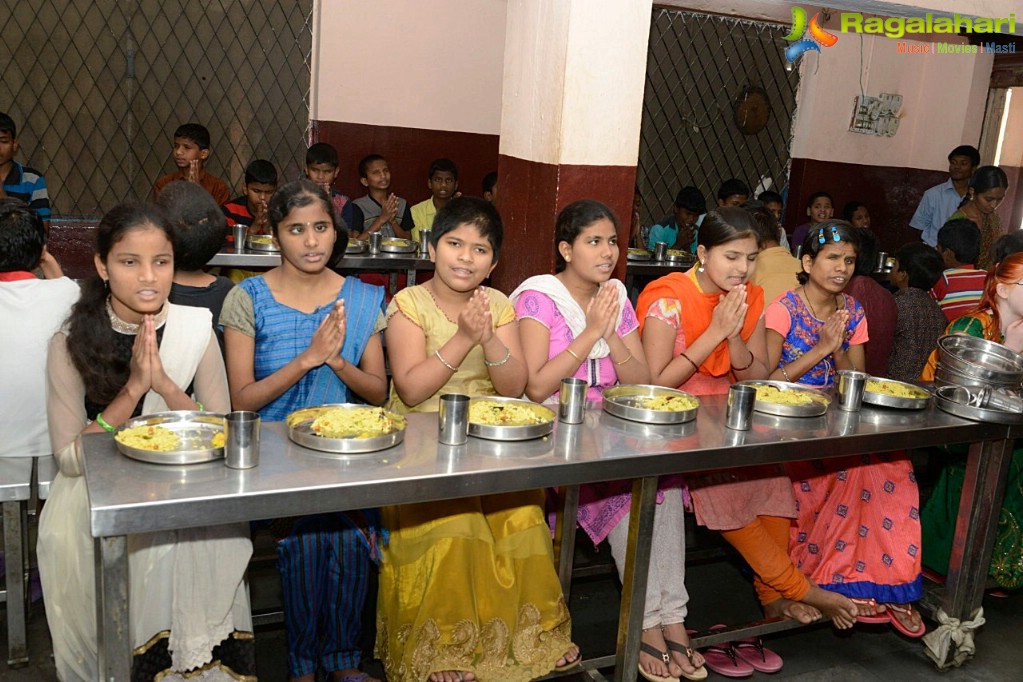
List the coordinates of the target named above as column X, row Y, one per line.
column 698, row 70
column 97, row 88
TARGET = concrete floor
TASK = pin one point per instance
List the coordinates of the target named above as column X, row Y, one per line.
column 720, row 593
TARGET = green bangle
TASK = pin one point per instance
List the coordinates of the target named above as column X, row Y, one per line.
column 103, row 422
column 202, row 408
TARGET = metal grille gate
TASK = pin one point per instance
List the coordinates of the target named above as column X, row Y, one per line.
column 97, row 88
column 698, row 68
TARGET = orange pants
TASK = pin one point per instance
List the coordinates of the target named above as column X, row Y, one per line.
column 764, row 544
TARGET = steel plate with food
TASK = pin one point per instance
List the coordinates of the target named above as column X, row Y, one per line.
column 345, row 428
column 183, row 437
column 261, row 242
column 891, row 393
column 356, row 246
column 639, row 254
column 650, row 404
column 499, row 418
column 787, row 400
column 398, row 246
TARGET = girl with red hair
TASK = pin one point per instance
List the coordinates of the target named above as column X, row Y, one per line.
column 999, row 318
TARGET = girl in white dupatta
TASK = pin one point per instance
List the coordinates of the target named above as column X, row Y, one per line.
column 126, row 351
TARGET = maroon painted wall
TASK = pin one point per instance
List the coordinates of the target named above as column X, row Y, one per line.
column 891, row 195
column 409, row 152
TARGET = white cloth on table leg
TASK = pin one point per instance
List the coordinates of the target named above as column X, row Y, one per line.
column 952, row 635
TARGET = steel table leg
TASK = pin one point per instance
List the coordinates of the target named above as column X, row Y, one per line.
column 637, row 565
column 564, row 536
column 112, row 608
column 410, row 278
column 14, row 553
column 979, row 508
column 392, row 283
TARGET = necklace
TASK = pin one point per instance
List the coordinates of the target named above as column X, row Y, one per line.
column 130, row 328
column 809, row 305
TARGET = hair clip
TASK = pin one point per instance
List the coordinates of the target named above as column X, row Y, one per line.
column 835, row 237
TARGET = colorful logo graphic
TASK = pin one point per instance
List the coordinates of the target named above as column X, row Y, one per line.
column 818, row 37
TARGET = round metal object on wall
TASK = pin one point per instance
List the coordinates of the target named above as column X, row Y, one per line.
column 816, row 402
column 943, row 398
column 512, row 431
column 394, row 245
column 752, row 110
column 629, row 401
column 300, row 431
column 875, row 397
column 195, row 430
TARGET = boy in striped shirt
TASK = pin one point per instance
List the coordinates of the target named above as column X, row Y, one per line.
column 17, row 181
column 961, row 285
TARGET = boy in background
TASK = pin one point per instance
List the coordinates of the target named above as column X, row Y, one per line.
column 382, row 210
column 34, row 309
column 191, row 149
column 961, row 285
column 919, row 321
column 321, row 167
column 199, row 226
column 250, row 208
column 773, row 202
column 17, row 181
column 776, row 267
column 490, row 186
column 678, row 229
column 443, row 185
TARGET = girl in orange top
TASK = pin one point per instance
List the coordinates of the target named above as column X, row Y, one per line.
column 702, row 330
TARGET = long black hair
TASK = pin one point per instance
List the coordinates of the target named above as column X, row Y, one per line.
column 91, row 340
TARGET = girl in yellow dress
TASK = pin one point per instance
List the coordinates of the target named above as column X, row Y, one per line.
column 468, row 589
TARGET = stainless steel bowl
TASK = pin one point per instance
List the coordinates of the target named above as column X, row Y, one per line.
column 944, row 396
column 394, row 245
column 980, row 358
column 300, row 431
column 817, row 401
column 517, row 432
column 627, row 401
column 945, row 375
column 195, row 429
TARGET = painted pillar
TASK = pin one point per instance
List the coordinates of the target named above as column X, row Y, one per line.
column 572, row 103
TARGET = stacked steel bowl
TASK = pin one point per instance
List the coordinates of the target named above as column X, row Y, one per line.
column 976, row 363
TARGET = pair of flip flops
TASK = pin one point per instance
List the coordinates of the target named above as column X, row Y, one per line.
column 742, row 657
column 891, row 615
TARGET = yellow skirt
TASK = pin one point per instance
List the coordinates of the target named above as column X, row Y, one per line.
column 470, row 585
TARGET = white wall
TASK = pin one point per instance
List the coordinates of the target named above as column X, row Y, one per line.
column 574, row 76
column 943, row 103
column 409, row 63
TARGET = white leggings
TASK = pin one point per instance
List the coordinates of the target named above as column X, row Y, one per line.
column 666, row 595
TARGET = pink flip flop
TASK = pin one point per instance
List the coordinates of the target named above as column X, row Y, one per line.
column 752, row 651
column 724, row 660
column 876, row 619
column 892, row 609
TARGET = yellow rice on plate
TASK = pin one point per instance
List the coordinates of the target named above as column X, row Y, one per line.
column 261, row 239
column 773, row 394
column 396, row 242
column 360, row 422
column 894, row 388
column 218, row 440
column 678, row 253
column 155, row 438
column 494, row 413
column 669, row 403
column 638, row 252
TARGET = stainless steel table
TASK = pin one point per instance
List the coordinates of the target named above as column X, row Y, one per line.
column 389, row 264
column 15, row 490
column 129, row 497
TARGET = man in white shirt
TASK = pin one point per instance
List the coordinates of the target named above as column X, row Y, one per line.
column 941, row 201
